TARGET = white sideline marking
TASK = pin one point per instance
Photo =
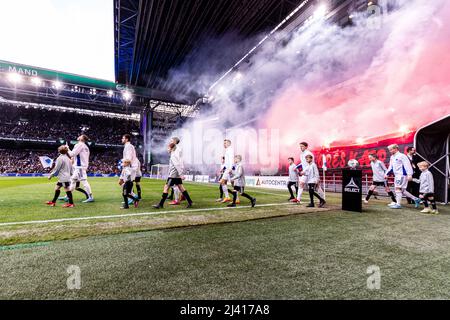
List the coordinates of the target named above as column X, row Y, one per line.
column 254, row 189
column 134, row 214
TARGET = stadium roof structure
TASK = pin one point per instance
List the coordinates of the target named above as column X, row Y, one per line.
column 152, row 37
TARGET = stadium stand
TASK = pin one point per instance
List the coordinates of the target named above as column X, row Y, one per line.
column 27, row 161
column 19, row 122
column 26, row 122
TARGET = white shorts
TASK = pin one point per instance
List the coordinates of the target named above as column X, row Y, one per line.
column 401, row 182
column 79, row 175
column 138, row 172
column 303, row 179
column 226, row 176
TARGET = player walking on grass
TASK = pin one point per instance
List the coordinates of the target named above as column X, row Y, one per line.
column 378, row 178
column 227, row 169
column 302, row 181
column 62, row 170
column 293, row 179
column 126, row 182
column 312, row 178
column 220, row 174
column 238, row 178
column 400, row 167
column 176, row 174
column 80, row 155
column 426, row 189
column 129, row 152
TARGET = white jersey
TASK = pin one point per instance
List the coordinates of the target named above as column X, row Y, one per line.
column 80, row 153
column 128, row 174
column 426, row 182
column 311, row 172
column 293, row 175
column 176, row 167
column 399, row 165
column 378, row 170
column 129, row 152
column 63, row 168
column 303, row 155
column 229, row 159
column 238, row 175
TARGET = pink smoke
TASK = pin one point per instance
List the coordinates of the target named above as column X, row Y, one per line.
column 405, row 84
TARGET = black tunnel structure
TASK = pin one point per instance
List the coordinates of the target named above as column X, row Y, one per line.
column 432, row 142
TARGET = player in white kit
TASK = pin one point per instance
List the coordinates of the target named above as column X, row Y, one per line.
column 227, row 169
column 378, row 178
column 400, row 167
column 129, row 152
column 80, row 155
column 62, row 170
column 303, row 179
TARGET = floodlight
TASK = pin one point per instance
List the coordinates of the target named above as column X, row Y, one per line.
column 15, row 77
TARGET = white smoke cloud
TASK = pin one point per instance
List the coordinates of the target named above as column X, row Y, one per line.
column 325, row 83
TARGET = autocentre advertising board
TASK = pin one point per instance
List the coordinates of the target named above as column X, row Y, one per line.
column 270, row 182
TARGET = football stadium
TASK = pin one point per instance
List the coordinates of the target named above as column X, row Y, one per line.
column 244, row 150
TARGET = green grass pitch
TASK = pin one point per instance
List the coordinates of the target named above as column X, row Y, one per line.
column 273, row 251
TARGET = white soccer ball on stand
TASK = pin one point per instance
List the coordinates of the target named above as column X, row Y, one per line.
column 353, row 163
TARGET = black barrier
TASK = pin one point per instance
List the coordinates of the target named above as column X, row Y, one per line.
column 352, row 190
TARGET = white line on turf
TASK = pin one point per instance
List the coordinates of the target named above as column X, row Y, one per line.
column 254, row 190
column 134, row 214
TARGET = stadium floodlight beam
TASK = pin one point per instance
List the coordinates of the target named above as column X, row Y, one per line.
column 57, row 85
column 289, row 16
column 36, row 81
column 404, row 129
column 126, row 96
column 15, row 77
column 320, row 12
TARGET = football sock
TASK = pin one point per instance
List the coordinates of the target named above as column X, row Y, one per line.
column 311, row 196
column 138, row 189
column 234, row 196
column 70, row 196
column 125, row 201
column 220, row 191
column 398, row 197
column 225, row 190
column 247, row 196
column 391, row 194
column 290, row 191
column 176, row 193
column 299, row 194
column 163, row 199
column 433, row 204
column 83, row 192
column 186, row 195
column 87, row 188
column 409, row 195
column 57, row 192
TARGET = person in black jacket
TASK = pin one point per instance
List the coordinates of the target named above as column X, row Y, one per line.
column 414, row 158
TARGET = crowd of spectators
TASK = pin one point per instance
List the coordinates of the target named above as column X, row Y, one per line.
column 28, row 122
column 27, row 161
